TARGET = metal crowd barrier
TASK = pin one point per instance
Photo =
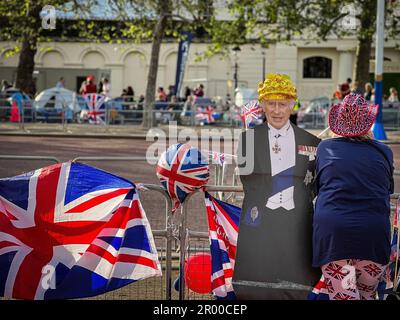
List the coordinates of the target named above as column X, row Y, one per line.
column 16, row 157
column 186, row 234
column 116, row 112
column 126, row 110
column 166, row 233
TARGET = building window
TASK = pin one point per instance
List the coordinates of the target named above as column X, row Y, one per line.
column 317, row 67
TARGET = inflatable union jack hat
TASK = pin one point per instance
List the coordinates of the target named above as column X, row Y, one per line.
column 353, row 117
column 182, row 169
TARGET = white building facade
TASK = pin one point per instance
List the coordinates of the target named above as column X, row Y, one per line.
column 315, row 68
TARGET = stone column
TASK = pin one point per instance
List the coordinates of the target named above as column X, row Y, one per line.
column 116, row 78
column 286, row 60
column 346, row 58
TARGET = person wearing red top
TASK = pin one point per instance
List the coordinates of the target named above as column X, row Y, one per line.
column 162, row 96
column 199, row 91
column 345, row 88
column 90, row 86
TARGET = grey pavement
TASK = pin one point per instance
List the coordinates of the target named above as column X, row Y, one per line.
column 127, row 131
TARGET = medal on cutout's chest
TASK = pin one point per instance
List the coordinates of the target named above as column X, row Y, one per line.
column 276, row 148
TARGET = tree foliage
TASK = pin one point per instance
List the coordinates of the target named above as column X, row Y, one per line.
column 268, row 22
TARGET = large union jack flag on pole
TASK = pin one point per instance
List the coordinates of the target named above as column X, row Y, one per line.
column 96, row 108
column 70, row 231
column 182, row 169
column 223, row 221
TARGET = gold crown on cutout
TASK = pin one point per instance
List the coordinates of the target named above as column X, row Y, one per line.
column 276, row 87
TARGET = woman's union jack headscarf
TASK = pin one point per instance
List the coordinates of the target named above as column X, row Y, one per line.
column 182, row 169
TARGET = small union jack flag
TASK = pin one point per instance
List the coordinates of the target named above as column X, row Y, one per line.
column 182, row 169
column 96, row 108
column 251, row 114
column 217, row 157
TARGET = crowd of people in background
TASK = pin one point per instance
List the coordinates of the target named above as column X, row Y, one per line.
column 128, row 94
column 348, row 86
column 171, row 104
column 90, row 86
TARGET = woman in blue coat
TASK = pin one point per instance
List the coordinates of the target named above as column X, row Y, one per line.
column 351, row 240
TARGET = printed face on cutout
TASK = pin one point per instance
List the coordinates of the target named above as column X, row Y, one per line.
column 277, row 111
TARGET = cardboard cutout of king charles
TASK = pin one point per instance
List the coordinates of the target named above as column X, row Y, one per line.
column 276, row 162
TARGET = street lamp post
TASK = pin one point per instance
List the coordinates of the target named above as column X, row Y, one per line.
column 378, row 129
column 235, row 75
column 263, row 65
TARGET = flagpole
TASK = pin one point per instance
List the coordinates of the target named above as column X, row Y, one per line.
column 323, row 132
column 378, row 129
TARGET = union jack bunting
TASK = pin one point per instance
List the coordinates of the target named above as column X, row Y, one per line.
column 96, row 108
column 251, row 114
column 217, row 157
column 182, row 169
column 71, row 231
column 223, row 221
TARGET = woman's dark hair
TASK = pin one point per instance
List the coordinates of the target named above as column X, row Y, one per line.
column 130, row 91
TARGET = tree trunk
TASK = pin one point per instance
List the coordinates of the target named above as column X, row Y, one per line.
column 365, row 38
column 158, row 36
column 26, row 64
column 361, row 68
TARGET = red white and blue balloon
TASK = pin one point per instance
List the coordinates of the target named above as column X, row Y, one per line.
column 182, row 169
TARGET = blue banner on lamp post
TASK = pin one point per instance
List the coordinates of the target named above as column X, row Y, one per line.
column 183, row 53
column 378, row 129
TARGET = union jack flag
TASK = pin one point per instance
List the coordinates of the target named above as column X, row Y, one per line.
column 70, row 231
column 182, row 170
column 320, row 291
column 205, row 115
column 251, row 114
column 223, row 221
column 96, row 108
